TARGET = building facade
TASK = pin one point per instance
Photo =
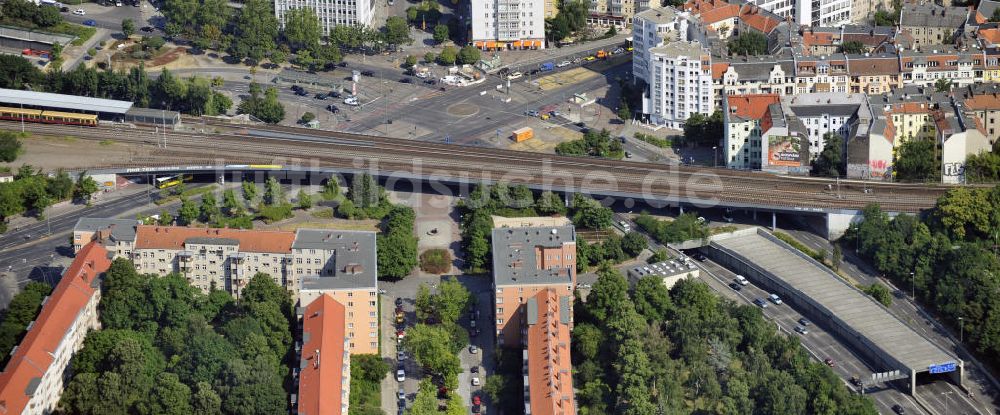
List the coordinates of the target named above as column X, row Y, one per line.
column 527, row 261
column 32, row 382
column 508, row 24
column 308, row 263
column 331, row 13
column 744, row 114
column 652, row 28
column 547, row 369
column 680, row 84
column 930, row 24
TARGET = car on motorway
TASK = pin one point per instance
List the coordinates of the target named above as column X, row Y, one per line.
column 897, row 408
column 760, row 302
column 563, row 63
column 803, row 322
column 79, row 12
column 829, row 362
column 577, row 60
column 735, row 286
column 64, row 9
column 515, row 75
column 801, row 330
column 741, row 280
column 774, row 299
column 400, row 374
column 625, row 225
column 147, row 29
column 90, row 23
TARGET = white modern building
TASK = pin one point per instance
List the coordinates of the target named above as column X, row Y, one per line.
column 810, row 12
column 331, row 13
column 652, row 28
column 508, row 24
column 680, row 84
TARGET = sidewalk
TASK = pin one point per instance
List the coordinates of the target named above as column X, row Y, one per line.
column 73, row 55
column 66, row 207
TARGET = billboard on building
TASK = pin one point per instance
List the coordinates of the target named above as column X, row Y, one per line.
column 784, row 151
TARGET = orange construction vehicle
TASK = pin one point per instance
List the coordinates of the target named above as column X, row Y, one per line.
column 601, row 54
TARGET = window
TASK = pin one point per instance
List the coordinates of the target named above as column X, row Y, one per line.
column 500, row 321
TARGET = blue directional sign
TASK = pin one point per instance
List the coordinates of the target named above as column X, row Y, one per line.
column 943, row 368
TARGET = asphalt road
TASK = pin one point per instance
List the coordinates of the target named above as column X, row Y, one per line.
column 942, row 396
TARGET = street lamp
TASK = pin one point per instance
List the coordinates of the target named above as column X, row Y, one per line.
column 715, row 156
column 913, row 286
column 961, row 328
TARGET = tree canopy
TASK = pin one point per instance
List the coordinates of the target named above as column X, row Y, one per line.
column 593, row 143
column 830, row 162
column 916, row 161
column 749, row 43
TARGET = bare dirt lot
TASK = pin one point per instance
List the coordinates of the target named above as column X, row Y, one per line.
column 68, row 152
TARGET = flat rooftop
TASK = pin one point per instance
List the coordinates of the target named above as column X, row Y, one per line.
column 515, row 256
column 354, row 255
column 859, row 311
column 63, row 101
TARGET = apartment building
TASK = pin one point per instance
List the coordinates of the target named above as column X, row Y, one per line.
column 653, row 28
column 925, row 67
column 680, row 84
column 874, row 74
column 308, row 263
column 324, row 372
column 548, row 371
column 117, row 234
column 743, row 117
column 331, row 13
column 753, row 75
column 508, row 24
column 821, row 74
column 930, row 24
column 345, row 269
column 863, row 11
column 983, row 99
column 715, row 15
column 823, row 113
column 617, row 13
column 32, row 381
column 526, row 261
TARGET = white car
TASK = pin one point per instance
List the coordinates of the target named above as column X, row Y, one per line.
column 400, row 375
column 515, row 75
column 351, row 101
column 563, row 63
column 742, row 280
column 79, row 12
column 475, row 381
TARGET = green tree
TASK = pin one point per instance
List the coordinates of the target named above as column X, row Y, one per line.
column 305, row 200
column 589, row 213
column 441, row 33
column 995, row 17
column 750, row 43
column 250, row 191
column 209, row 208
column 425, row 402
column 830, row 162
column 230, row 205
column 251, row 388
column 448, row 56
column 468, row 55
column 942, row 85
column 880, row 293
column 651, row 298
column 885, row 18
column 128, row 27
column 431, row 348
column 451, row 300
column 302, row 29
column 916, row 161
column 307, row 117
column 205, row 400
column 853, row 47
column 255, row 31
column 634, row 243
column 188, row 212
column 623, row 111
column 411, row 61
column 169, row 396
column 397, row 32
column 983, row 167
column 609, row 291
column 397, row 255
column 166, row 219
column 429, row 57
column 703, row 130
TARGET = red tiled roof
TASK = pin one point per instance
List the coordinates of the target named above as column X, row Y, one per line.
column 992, row 35
column 983, row 102
column 550, row 375
column 752, row 17
column 718, row 69
column 322, row 377
column 752, row 106
column 173, row 237
column 872, row 66
column 810, row 39
column 34, row 355
column 712, row 11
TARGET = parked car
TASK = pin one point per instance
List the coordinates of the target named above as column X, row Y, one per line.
column 531, row 113
column 400, row 355
column 401, row 395
column 334, row 94
column 79, row 12
column 515, row 75
column 400, row 374
column 829, row 362
column 146, row 29
column 90, row 23
column 332, row 108
column 367, row 73
column 64, row 9
column 406, row 80
column 801, row 330
column 476, row 381
column 301, row 92
column 563, row 63
column 400, row 334
column 399, row 302
column 321, row 96
column 430, row 81
column 473, row 349
column 760, row 302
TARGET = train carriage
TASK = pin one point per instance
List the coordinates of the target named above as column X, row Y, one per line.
column 18, row 114
column 56, row 117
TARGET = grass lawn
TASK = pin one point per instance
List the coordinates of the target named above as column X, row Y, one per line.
column 82, row 33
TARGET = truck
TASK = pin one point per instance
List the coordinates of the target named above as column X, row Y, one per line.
column 523, row 134
column 547, row 66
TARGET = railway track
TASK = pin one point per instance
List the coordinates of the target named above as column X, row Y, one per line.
column 292, row 146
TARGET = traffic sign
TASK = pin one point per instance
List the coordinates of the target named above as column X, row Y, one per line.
column 943, row 368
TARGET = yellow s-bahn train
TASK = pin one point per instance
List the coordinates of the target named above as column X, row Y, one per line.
column 168, row 181
column 47, row 117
